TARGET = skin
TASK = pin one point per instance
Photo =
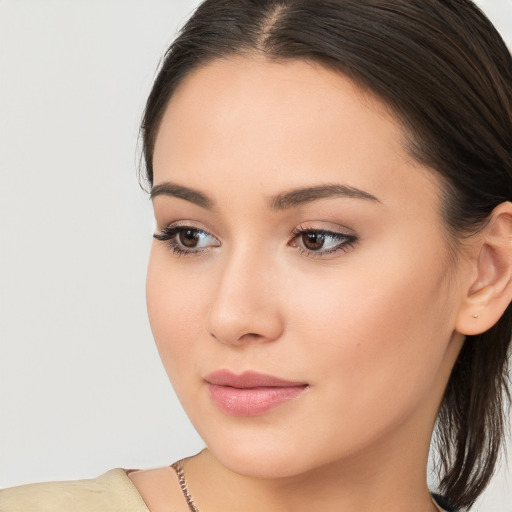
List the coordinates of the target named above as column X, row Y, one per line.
column 373, row 329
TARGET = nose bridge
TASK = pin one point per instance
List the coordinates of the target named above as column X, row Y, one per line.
column 245, row 305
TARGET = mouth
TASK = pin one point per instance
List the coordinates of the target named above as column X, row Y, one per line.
column 250, row 393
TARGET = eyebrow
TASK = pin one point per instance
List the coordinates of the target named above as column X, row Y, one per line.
column 283, row 201
column 188, row 194
column 302, row 196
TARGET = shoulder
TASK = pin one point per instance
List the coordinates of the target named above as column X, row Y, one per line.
column 113, row 492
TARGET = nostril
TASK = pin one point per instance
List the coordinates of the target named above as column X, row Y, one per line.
column 251, row 336
column 237, row 340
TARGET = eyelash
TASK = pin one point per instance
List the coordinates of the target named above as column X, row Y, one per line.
column 169, row 235
column 345, row 241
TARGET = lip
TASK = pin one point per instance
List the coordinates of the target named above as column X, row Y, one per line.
column 250, row 393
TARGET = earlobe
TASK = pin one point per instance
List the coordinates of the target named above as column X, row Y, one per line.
column 490, row 288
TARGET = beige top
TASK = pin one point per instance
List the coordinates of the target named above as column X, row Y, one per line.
column 110, row 492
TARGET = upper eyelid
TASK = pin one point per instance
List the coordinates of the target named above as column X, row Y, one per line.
column 334, row 234
column 339, row 231
column 177, row 227
column 184, row 225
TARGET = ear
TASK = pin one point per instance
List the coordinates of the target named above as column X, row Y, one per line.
column 488, row 290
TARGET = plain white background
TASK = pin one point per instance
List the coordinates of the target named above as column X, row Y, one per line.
column 81, row 387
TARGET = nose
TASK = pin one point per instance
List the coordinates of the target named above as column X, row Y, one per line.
column 245, row 304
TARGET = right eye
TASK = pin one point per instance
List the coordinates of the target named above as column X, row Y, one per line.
column 185, row 240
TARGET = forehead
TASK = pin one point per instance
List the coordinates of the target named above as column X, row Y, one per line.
column 239, row 95
column 280, row 125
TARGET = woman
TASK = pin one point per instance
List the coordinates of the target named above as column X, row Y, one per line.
column 331, row 271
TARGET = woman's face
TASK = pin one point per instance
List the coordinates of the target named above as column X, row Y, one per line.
column 301, row 242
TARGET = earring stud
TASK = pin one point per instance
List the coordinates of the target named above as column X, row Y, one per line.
column 475, row 316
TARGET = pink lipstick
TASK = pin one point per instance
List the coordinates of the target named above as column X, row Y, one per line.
column 250, row 393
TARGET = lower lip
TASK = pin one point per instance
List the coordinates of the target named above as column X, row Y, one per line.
column 251, row 401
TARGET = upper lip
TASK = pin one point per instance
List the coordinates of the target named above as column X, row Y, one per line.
column 248, row 379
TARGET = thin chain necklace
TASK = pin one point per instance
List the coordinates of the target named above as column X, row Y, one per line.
column 177, row 466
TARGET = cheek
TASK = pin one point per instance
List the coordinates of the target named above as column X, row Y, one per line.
column 378, row 330
column 174, row 304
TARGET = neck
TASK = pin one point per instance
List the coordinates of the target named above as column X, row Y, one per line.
column 370, row 481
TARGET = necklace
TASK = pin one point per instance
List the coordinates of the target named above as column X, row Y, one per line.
column 178, row 467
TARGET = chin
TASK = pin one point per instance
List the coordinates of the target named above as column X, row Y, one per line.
column 255, row 463
column 265, row 453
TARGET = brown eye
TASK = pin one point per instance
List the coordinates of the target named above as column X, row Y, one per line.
column 313, row 241
column 321, row 243
column 184, row 240
column 189, row 237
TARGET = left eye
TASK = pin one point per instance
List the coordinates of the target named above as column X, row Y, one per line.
column 322, row 242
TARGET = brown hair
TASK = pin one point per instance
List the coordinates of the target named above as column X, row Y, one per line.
column 447, row 74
